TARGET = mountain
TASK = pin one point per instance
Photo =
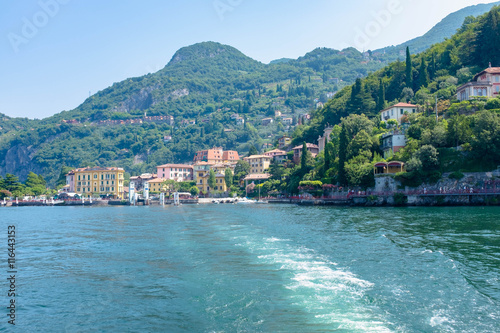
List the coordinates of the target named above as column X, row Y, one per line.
column 202, row 87
column 436, row 73
column 444, row 29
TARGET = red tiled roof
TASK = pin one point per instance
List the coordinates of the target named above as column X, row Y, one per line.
column 490, row 70
column 400, row 105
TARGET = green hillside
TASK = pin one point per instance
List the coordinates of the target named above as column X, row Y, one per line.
column 444, row 29
column 460, row 137
column 201, row 87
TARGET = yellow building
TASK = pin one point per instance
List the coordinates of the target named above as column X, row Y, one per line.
column 155, row 185
column 258, row 163
column 99, row 181
column 220, row 183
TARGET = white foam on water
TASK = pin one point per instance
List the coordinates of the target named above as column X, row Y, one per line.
column 332, row 295
column 274, row 239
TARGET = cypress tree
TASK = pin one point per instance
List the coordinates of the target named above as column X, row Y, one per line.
column 381, row 96
column 432, row 70
column 327, row 155
column 303, row 158
column 423, row 75
column 344, row 141
column 409, row 70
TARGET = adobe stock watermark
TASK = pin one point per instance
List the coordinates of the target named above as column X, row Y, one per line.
column 381, row 20
column 31, row 26
column 224, row 6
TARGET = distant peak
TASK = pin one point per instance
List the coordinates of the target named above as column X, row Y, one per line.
column 203, row 50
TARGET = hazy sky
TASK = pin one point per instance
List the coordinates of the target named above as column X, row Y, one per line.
column 54, row 52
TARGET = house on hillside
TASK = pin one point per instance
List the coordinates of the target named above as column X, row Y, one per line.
column 484, row 84
column 397, row 111
column 297, row 152
column 267, row 121
column 392, row 142
column 258, row 163
column 284, row 141
column 323, row 139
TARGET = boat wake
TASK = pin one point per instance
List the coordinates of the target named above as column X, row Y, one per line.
column 330, row 295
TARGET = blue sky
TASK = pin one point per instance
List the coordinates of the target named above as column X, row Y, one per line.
column 55, row 52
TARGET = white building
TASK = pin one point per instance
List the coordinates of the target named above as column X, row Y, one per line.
column 397, row 111
column 323, row 139
column 392, row 143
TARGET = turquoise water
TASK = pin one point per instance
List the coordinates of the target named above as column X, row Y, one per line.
column 254, row 268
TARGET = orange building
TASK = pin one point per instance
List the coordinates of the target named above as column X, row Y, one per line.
column 216, row 155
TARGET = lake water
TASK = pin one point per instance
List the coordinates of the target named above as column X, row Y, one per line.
column 254, row 268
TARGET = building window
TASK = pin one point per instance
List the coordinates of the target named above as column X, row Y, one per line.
column 95, row 176
column 78, row 177
column 401, row 111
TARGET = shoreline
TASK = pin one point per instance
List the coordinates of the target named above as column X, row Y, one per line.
column 389, row 200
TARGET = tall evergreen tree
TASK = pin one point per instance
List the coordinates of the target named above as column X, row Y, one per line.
column 344, row 141
column 211, row 179
column 488, row 39
column 228, row 177
column 409, row 69
column 303, row 157
column 381, row 96
column 423, row 75
column 432, row 69
column 327, row 155
column 360, row 99
column 253, row 151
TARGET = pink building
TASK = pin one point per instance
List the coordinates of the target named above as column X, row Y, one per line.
column 177, row 172
column 275, row 152
column 486, row 84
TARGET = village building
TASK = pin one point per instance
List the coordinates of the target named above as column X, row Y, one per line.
column 258, row 163
column 297, row 152
column 392, row 142
column 155, row 185
column 97, row 181
column 284, row 142
column 177, row 172
column 382, row 168
column 140, row 181
column 216, row 155
column 323, row 139
column 267, row 121
column 484, row 84
column 397, row 111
